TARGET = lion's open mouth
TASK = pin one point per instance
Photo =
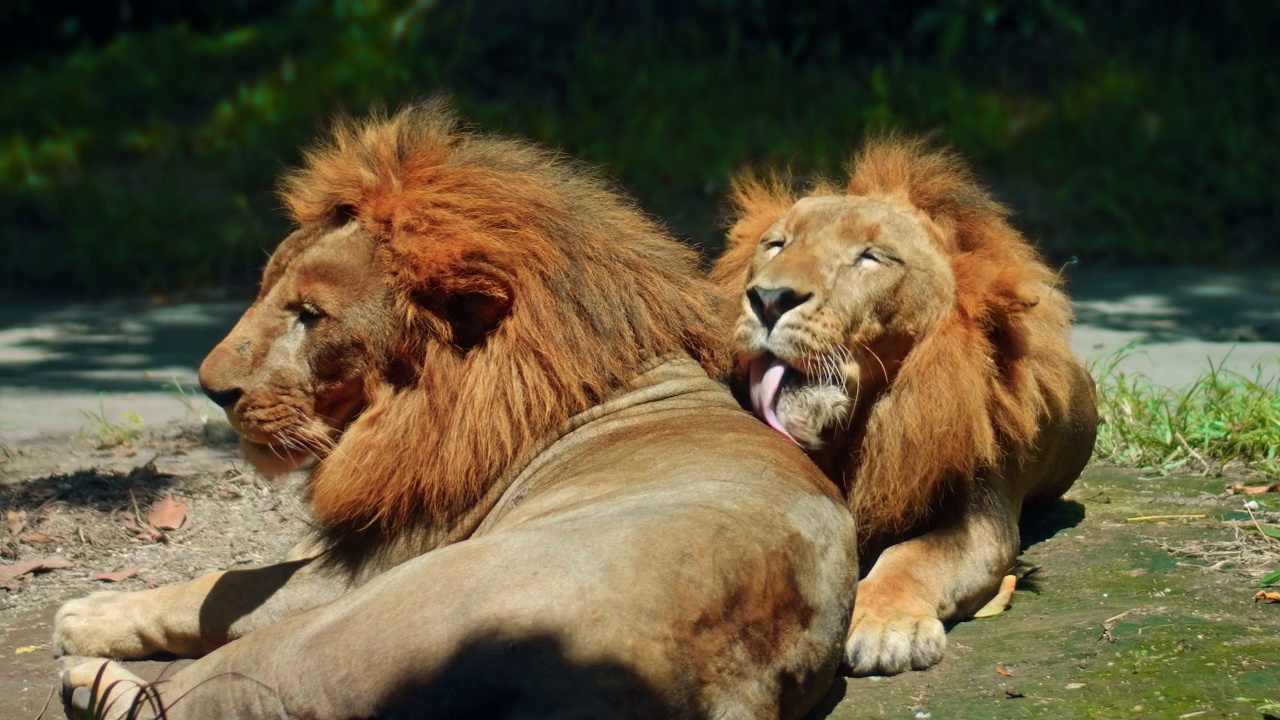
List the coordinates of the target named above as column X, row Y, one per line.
column 767, row 374
column 803, row 404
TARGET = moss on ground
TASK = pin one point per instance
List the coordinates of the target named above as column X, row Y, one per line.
column 1192, row 640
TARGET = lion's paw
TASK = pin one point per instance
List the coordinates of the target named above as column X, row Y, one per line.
column 102, row 689
column 104, row 624
column 893, row 642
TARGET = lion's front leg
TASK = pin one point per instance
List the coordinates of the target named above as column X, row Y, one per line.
column 918, row 584
column 189, row 619
column 133, row 625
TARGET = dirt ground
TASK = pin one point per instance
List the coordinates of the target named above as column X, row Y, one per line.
column 1121, row 619
column 71, row 500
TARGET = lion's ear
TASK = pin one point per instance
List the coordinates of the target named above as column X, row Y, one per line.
column 472, row 303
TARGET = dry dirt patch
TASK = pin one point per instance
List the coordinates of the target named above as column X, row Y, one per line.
column 61, row 498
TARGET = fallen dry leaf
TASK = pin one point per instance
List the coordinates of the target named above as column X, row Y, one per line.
column 228, row 494
column 38, row 538
column 141, row 532
column 1002, row 671
column 118, row 575
column 17, row 521
column 1002, row 599
column 30, row 648
column 130, row 523
column 1010, row 692
column 51, row 562
column 166, row 514
column 1270, row 596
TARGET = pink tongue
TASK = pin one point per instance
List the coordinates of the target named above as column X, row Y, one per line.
column 766, row 386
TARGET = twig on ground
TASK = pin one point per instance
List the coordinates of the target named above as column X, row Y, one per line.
column 1110, row 623
column 1254, row 519
column 1208, row 469
column 48, row 699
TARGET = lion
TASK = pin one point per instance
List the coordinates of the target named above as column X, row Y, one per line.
column 905, row 335
column 531, row 498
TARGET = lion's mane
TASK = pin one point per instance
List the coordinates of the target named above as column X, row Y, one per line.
column 588, row 290
column 972, row 393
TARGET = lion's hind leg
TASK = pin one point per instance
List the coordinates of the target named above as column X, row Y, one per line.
column 103, row 689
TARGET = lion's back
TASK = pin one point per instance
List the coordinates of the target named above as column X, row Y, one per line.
column 755, row 548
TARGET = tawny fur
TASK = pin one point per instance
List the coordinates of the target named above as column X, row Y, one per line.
column 452, row 211
column 972, row 392
column 532, row 499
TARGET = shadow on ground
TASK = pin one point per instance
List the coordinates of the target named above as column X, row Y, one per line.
column 111, row 347
column 1043, row 520
column 93, row 488
column 1172, row 304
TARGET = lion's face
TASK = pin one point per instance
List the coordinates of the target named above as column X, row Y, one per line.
column 298, row 366
column 840, row 289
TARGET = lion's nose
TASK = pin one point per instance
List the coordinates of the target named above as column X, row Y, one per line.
column 220, row 377
column 769, row 304
column 224, row 398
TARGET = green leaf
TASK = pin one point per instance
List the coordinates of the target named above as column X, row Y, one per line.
column 1271, row 579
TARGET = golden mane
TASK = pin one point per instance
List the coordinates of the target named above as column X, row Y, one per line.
column 974, row 390
column 587, row 289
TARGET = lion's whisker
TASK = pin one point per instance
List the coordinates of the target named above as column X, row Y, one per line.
column 883, row 370
column 275, row 450
column 317, row 439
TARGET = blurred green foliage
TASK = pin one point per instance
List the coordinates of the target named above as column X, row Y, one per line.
column 139, row 140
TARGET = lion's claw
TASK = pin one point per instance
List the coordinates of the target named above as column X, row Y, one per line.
column 888, row 645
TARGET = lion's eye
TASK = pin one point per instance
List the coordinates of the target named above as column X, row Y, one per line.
column 309, row 313
column 771, row 246
column 866, row 259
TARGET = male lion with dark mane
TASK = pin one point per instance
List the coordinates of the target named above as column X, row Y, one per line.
column 910, row 339
column 531, row 500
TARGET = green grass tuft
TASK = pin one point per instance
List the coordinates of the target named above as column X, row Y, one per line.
column 1222, row 418
column 104, row 433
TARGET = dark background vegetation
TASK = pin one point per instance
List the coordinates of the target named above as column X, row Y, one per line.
column 140, row 139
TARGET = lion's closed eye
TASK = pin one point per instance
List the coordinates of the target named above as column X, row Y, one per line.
column 308, row 314
column 771, row 245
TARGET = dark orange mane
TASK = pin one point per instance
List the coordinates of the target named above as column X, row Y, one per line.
column 584, row 290
column 971, row 394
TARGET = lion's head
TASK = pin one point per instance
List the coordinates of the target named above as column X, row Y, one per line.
column 446, row 302
column 899, row 329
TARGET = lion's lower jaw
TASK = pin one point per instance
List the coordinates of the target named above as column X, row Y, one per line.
column 273, row 460
column 813, row 414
